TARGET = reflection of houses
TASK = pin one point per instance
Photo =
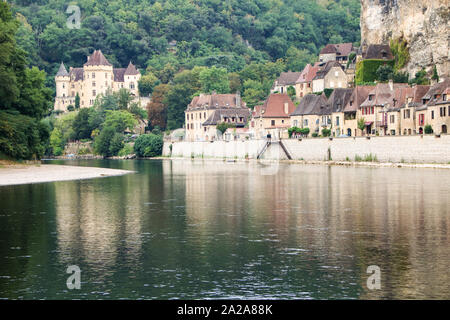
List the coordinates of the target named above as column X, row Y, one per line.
column 273, row 117
column 205, row 112
column 312, row 113
column 329, row 76
column 284, row 81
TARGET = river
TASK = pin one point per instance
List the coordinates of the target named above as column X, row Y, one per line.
column 210, row 229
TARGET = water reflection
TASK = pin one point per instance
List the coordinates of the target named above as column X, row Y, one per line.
column 182, row 229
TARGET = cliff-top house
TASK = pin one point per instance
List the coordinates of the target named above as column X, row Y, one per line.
column 96, row 77
column 284, row 81
column 336, row 52
column 330, row 75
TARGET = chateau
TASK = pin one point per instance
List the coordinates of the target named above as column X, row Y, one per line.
column 97, row 76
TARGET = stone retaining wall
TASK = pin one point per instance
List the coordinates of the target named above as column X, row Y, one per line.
column 416, row 149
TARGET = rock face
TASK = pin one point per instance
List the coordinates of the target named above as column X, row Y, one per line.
column 424, row 24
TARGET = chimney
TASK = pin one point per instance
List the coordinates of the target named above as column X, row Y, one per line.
column 238, row 99
column 286, row 108
column 391, row 84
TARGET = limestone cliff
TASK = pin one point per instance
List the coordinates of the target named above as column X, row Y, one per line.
column 424, row 24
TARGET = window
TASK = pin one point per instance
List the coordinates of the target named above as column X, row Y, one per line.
column 295, row 123
column 373, row 110
column 93, row 84
column 93, row 75
column 337, row 121
column 336, row 73
column 94, row 93
column 421, row 119
column 406, row 114
column 432, row 114
column 64, row 85
column 331, row 84
column 370, row 97
column 132, row 85
column 106, row 75
column 272, row 122
column 204, row 115
column 306, row 122
column 442, row 111
column 392, row 119
column 282, row 121
column 444, row 97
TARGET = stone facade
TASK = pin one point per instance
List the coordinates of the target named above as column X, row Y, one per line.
column 95, row 78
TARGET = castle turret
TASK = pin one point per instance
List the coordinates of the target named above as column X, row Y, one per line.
column 131, row 78
column 62, row 80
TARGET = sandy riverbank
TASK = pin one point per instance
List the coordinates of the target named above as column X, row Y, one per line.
column 26, row 174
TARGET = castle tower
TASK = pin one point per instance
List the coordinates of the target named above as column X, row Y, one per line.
column 131, row 78
column 62, row 80
column 98, row 77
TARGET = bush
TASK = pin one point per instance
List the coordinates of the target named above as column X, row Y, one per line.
column 148, row 145
column 326, row 132
column 126, row 150
column 315, row 135
column 428, row 129
column 116, row 144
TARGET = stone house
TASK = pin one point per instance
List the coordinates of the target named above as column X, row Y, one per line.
column 375, row 108
column 436, row 105
column 96, row 77
column 375, row 51
column 303, row 85
column 205, row 112
column 273, row 116
column 336, row 52
column 410, row 99
column 336, row 104
column 330, row 75
column 284, row 81
column 359, row 95
column 312, row 113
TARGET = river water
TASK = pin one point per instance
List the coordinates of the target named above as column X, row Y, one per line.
column 192, row 230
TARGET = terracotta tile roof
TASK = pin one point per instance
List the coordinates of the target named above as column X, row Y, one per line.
column 131, row 70
column 76, row 74
column 62, row 72
column 376, row 51
column 257, row 111
column 274, row 106
column 359, row 95
column 308, row 73
column 97, row 59
column 119, row 74
column 312, row 104
column 216, row 101
column 325, row 68
column 339, row 99
column 288, row 78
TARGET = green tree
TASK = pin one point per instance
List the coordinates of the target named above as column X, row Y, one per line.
column 56, row 142
column 361, row 124
column 77, row 101
column 123, row 98
column 214, row 79
column 147, row 83
column 119, row 121
column 148, row 145
column 385, row 72
column 103, row 141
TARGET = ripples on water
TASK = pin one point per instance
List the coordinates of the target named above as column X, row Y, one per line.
column 182, row 230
